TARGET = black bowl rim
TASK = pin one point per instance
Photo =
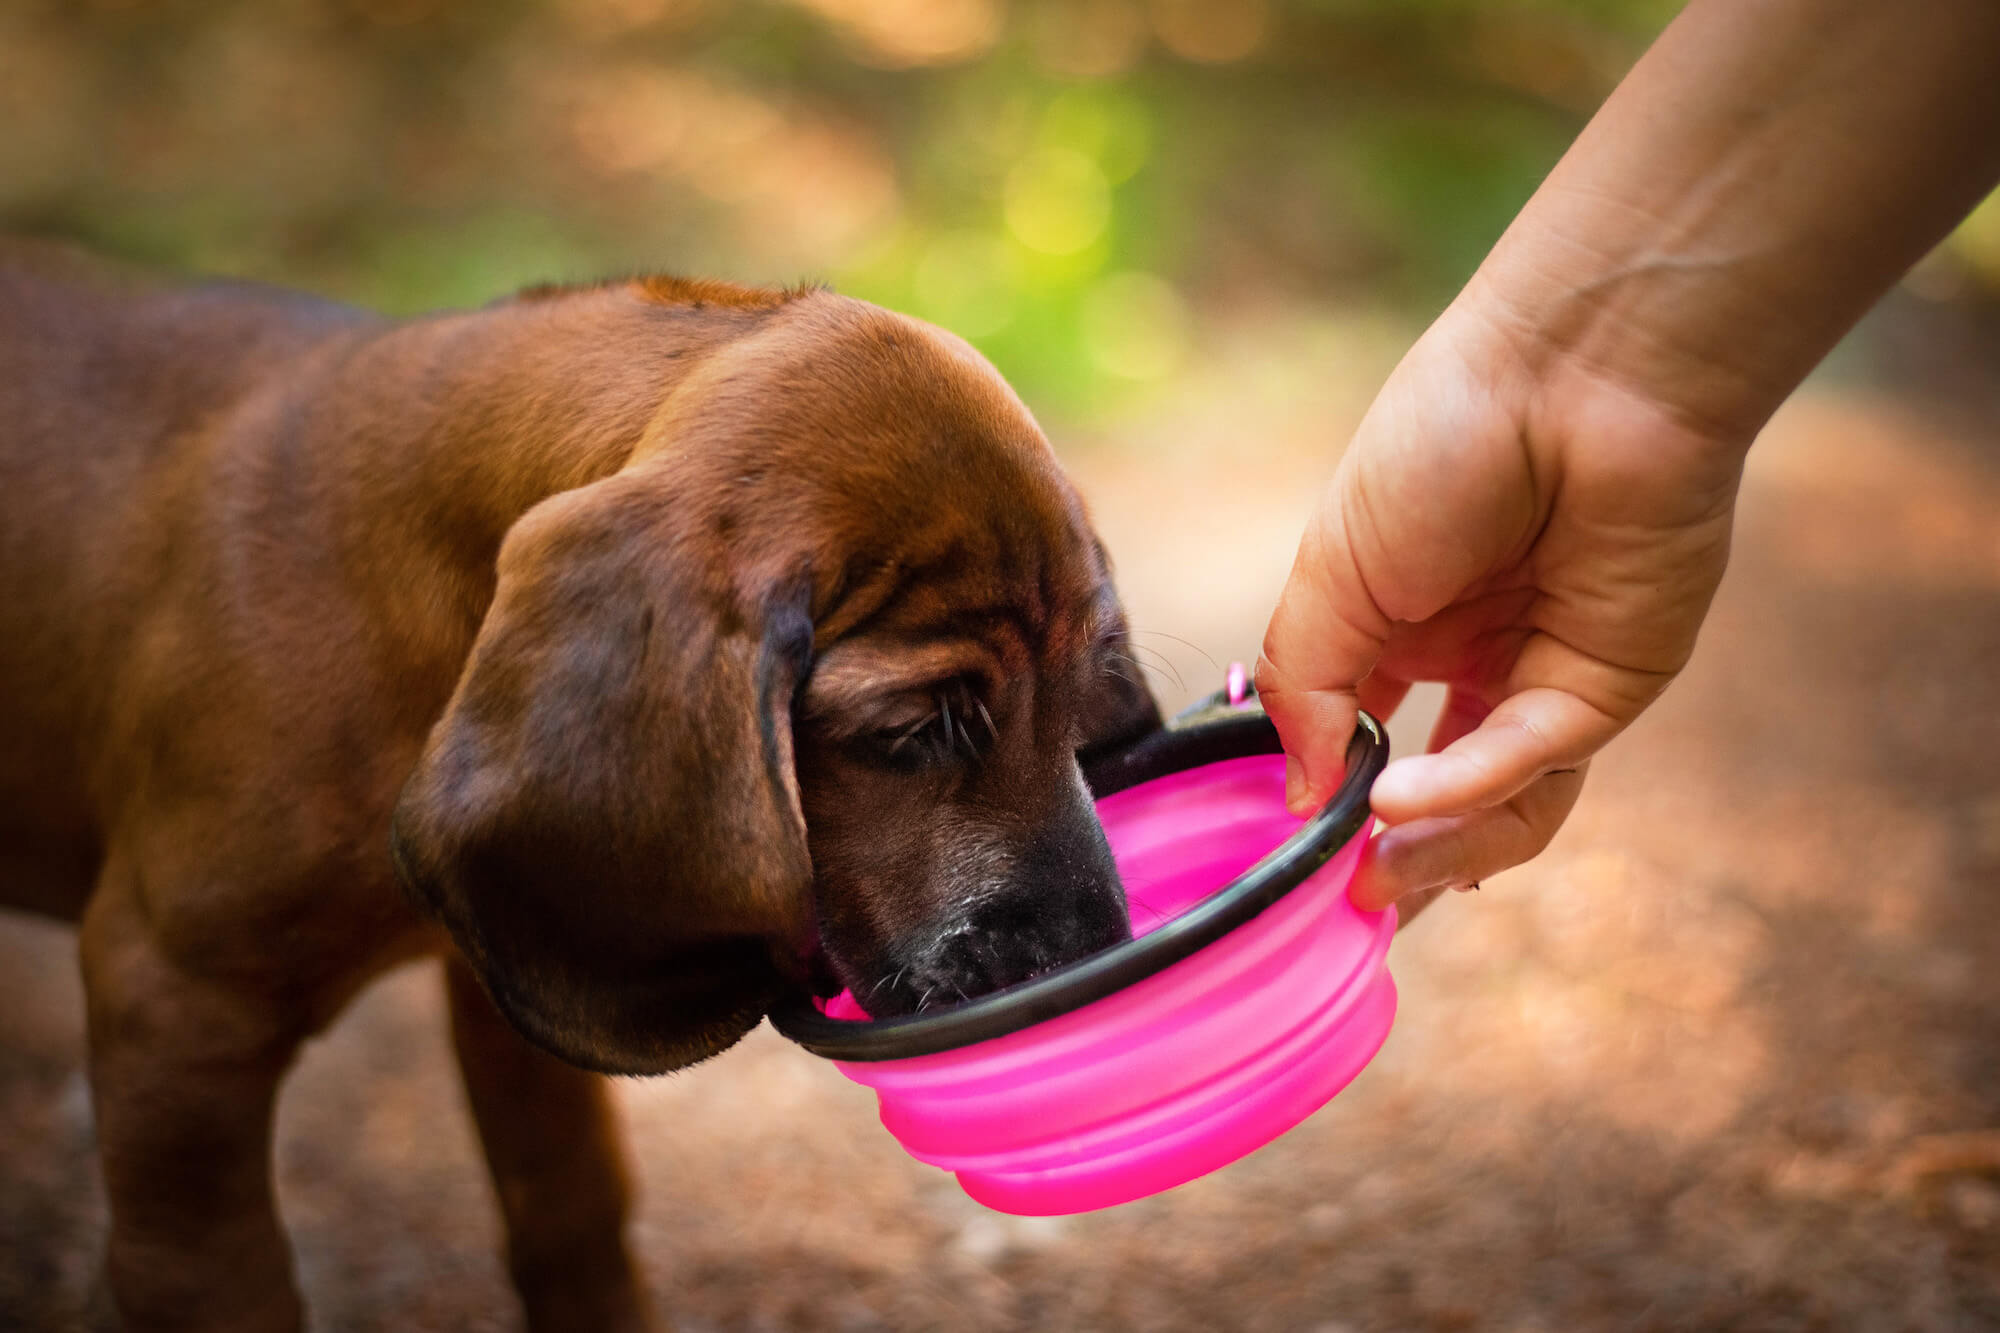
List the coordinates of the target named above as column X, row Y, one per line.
column 1205, row 735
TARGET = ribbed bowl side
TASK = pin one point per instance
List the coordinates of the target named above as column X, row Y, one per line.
column 1197, row 1064
column 1147, row 1166
column 1223, row 1090
column 1165, row 1039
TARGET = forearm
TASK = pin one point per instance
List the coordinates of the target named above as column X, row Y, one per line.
column 1752, row 187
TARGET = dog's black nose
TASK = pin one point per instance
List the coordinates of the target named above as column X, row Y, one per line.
column 1062, row 902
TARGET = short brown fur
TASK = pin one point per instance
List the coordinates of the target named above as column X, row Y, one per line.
column 545, row 587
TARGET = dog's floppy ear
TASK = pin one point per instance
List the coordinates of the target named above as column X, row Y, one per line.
column 606, row 816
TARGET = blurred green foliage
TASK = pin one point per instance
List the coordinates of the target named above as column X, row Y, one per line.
column 1080, row 186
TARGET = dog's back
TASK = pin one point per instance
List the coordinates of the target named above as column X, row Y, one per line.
column 109, row 390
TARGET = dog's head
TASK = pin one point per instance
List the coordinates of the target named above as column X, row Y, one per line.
column 793, row 698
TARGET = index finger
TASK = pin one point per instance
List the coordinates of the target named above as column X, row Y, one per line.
column 1322, row 641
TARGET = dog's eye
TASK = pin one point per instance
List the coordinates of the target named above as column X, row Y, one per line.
column 954, row 729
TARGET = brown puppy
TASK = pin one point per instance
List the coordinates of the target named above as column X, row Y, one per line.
column 686, row 641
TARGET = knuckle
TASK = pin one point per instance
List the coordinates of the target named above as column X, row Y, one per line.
column 1538, row 741
column 1484, row 771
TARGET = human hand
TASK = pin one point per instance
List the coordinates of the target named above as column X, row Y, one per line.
column 1539, row 538
column 1536, row 509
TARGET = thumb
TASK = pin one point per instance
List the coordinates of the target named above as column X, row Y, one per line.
column 1323, row 639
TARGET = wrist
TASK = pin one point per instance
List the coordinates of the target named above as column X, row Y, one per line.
column 1756, row 182
column 1574, row 413
column 1629, row 315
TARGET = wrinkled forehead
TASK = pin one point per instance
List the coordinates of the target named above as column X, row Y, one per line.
column 914, row 646
column 925, row 488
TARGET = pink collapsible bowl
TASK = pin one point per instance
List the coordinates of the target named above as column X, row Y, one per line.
column 1252, row 992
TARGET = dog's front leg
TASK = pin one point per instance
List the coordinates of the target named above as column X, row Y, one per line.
column 551, row 1140
column 184, row 1070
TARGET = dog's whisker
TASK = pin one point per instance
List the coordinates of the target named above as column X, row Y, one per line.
column 888, row 979
column 1143, row 667
column 1151, row 652
column 1126, row 658
column 1165, row 661
column 987, row 717
column 1115, row 664
column 1189, row 642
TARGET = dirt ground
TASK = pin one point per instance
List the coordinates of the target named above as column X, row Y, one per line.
column 1699, row 1067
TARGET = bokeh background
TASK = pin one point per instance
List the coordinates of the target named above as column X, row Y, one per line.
column 1728, row 1056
